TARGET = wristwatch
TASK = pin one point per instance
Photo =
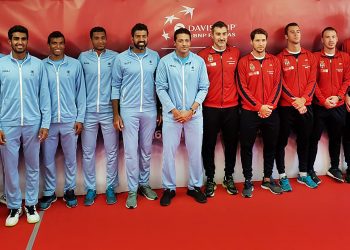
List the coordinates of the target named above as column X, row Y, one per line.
column 193, row 111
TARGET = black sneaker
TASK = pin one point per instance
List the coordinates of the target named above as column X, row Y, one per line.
column 210, row 188
column 248, row 189
column 347, row 177
column 167, row 196
column 314, row 177
column 272, row 186
column 336, row 174
column 46, row 201
column 70, row 198
column 229, row 185
column 197, row 194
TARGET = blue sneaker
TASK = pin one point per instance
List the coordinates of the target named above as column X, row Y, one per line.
column 307, row 180
column 90, row 197
column 111, row 198
column 70, row 198
column 285, row 185
column 46, row 201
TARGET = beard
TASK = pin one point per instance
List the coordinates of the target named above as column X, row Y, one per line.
column 140, row 45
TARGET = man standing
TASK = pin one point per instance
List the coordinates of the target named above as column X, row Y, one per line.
column 333, row 78
column 220, row 107
column 68, row 103
column 295, row 110
column 133, row 90
column 260, row 89
column 97, row 66
column 25, row 117
column 3, row 196
column 182, row 84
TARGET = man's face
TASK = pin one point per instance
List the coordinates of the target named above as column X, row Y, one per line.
column 19, row 42
column 259, row 43
column 330, row 39
column 99, row 41
column 57, row 46
column 140, row 39
column 219, row 37
column 182, row 43
column 293, row 34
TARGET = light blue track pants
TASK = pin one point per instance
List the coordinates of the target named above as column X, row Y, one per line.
column 111, row 142
column 193, row 132
column 138, row 134
column 65, row 132
column 28, row 136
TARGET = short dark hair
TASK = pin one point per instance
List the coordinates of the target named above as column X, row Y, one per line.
column 97, row 29
column 55, row 34
column 139, row 26
column 182, row 31
column 218, row 24
column 256, row 32
column 17, row 28
column 328, row 29
column 289, row 25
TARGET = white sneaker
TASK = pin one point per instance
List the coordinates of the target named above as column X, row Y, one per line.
column 3, row 199
column 13, row 217
column 32, row 215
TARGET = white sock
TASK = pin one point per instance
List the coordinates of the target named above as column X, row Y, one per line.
column 283, row 175
column 303, row 174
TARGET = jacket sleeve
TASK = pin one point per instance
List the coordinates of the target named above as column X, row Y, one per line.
column 162, row 87
column 80, row 90
column 243, row 89
column 203, row 83
column 277, row 84
column 117, row 77
column 44, row 98
column 311, row 81
column 346, row 76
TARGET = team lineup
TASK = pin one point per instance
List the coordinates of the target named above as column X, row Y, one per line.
column 59, row 98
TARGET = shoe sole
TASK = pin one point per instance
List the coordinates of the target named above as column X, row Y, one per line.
column 267, row 188
column 130, row 207
column 12, row 225
column 334, row 177
column 71, row 206
column 301, row 182
column 43, row 209
column 111, row 203
column 229, row 192
column 248, row 196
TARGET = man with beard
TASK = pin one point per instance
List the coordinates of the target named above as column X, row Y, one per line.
column 97, row 66
column 25, row 119
column 133, row 91
column 333, row 78
column 68, row 103
column 220, row 108
column 260, row 88
column 295, row 110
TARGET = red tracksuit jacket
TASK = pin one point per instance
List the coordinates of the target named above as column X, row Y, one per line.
column 222, row 91
column 298, row 76
column 333, row 76
column 259, row 84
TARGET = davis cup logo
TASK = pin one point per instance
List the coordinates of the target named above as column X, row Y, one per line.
column 184, row 17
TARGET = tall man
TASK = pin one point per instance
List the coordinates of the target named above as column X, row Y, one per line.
column 333, row 78
column 182, row 84
column 3, row 196
column 25, row 118
column 295, row 110
column 260, row 88
column 68, row 103
column 220, row 107
column 97, row 65
column 133, row 91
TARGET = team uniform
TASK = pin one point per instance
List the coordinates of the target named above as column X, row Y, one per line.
column 333, row 78
column 220, row 111
column 25, row 108
column 98, row 81
column 180, row 84
column 298, row 80
column 68, row 104
column 259, row 83
column 3, row 196
column 134, row 87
